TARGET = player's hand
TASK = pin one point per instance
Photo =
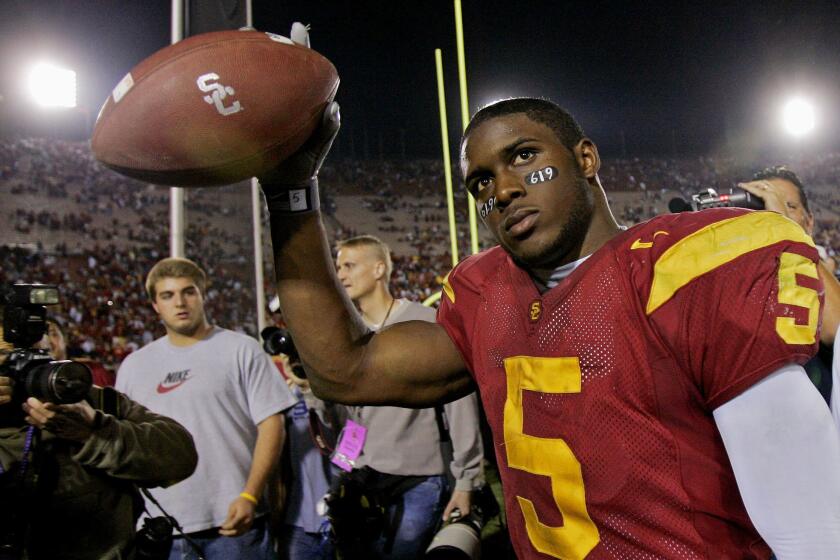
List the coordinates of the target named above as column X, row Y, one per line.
column 5, row 390
column 765, row 190
column 460, row 500
column 302, row 167
column 239, row 519
column 292, row 186
column 68, row 421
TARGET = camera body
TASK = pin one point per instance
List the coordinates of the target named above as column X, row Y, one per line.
column 154, row 540
column 710, row 198
column 32, row 370
column 356, row 506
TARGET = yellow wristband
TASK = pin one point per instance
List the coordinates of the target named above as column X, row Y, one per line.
column 249, row 497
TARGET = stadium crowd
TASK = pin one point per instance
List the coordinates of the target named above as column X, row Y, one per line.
column 69, row 221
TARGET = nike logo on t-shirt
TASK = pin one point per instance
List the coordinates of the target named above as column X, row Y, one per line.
column 173, row 380
column 161, row 388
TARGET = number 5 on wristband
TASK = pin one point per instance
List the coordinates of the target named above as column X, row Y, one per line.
column 548, row 457
column 283, row 200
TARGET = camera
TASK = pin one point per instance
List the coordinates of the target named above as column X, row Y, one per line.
column 710, row 198
column 356, row 507
column 34, row 373
column 460, row 537
column 279, row 341
column 154, row 540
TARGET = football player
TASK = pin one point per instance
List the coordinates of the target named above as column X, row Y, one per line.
column 644, row 387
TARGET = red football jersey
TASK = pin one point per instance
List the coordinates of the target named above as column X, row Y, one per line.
column 600, row 391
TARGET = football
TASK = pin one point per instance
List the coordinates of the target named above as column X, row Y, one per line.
column 214, row 109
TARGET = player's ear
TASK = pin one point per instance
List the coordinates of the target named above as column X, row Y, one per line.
column 588, row 160
column 380, row 270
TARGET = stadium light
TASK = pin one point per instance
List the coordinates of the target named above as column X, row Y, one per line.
column 798, row 117
column 51, row 86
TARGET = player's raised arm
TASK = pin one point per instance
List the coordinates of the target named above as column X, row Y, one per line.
column 413, row 363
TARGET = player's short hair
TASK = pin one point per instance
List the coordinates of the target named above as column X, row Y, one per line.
column 381, row 248
column 782, row 172
column 175, row 267
column 543, row 111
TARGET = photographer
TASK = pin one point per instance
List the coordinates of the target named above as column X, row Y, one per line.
column 68, row 472
column 782, row 191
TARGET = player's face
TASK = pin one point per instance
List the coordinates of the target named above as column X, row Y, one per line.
column 180, row 305
column 793, row 202
column 358, row 271
column 539, row 222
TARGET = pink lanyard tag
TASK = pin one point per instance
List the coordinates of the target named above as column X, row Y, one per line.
column 351, row 441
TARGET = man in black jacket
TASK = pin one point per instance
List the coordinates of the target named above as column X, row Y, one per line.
column 70, row 473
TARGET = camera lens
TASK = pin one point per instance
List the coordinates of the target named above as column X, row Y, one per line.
column 459, row 540
column 278, row 341
column 61, row 382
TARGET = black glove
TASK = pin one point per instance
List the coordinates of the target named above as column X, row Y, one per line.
column 292, row 186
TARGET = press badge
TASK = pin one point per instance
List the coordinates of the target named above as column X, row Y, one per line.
column 351, row 441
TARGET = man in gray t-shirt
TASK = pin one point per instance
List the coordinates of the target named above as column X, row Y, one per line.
column 404, row 441
column 224, row 389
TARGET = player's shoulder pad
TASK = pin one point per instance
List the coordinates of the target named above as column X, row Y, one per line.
column 473, row 272
column 672, row 250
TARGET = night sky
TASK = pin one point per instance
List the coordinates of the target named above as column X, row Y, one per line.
column 667, row 77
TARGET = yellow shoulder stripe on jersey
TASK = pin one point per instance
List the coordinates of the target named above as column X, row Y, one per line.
column 715, row 245
column 447, row 288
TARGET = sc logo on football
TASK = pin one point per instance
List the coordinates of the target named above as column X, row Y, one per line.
column 218, row 93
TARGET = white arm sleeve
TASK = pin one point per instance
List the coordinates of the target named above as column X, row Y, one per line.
column 785, row 452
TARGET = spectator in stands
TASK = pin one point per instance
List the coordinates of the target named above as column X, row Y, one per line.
column 402, row 445
column 48, row 183
column 223, row 387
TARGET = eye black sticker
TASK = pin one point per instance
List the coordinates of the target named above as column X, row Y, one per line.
column 487, row 207
column 541, row 175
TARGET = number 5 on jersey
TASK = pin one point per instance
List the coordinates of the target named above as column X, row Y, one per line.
column 549, row 457
column 791, row 293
